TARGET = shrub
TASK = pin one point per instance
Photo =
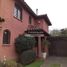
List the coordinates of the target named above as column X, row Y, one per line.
column 27, row 57
column 10, row 63
column 1, row 64
column 23, row 43
column 45, row 42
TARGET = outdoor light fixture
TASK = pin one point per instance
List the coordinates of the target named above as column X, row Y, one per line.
column 1, row 19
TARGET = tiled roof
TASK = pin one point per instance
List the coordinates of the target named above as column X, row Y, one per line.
column 45, row 17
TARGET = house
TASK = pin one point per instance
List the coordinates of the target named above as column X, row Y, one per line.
column 19, row 19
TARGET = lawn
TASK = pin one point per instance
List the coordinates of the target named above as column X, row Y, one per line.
column 37, row 63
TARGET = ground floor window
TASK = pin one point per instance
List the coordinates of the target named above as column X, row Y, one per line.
column 6, row 37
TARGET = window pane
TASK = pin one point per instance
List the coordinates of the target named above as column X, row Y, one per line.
column 15, row 12
column 6, row 37
column 30, row 20
column 19, row 14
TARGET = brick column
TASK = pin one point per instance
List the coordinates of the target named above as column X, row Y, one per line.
column 39, row 47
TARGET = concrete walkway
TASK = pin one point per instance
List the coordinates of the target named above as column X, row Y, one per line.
column 62, row 61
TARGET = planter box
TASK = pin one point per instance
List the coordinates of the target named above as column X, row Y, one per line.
column 44, row 54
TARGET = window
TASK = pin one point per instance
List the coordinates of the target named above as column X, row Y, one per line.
column 30, row 20
column 18, row 12
column 6, row 37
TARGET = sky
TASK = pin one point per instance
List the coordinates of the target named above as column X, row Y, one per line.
column 55, row 9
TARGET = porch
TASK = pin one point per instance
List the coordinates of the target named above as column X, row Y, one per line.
column 39, row 35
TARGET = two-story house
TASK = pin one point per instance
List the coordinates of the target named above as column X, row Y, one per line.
column 20, row 19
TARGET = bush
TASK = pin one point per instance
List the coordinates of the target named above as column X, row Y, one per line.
column 10, row 63
column 27, row 57
column 1, row 64
column 23, row 43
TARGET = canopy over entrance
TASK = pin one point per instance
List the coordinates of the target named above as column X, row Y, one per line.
column 37, row 31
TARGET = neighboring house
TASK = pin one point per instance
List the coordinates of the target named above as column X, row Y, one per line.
column 19, row 19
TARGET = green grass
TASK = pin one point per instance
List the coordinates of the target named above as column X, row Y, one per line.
column 55, row 65
column 37, row 63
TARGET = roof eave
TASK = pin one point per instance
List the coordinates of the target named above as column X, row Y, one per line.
column 29, row 10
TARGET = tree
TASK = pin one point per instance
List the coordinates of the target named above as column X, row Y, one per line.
column 64, row 32
column 55, row 32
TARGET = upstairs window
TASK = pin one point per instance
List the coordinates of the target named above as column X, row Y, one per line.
column 6, row 37
column 18, row 12
column 30, row 20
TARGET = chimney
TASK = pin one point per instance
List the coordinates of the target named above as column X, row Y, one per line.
column 36, row 11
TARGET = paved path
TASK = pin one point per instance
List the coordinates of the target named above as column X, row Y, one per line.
column 55, row 60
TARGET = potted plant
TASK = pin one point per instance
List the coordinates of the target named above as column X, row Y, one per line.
column 45, row 44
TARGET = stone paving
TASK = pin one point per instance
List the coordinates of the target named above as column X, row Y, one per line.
column 55, row 60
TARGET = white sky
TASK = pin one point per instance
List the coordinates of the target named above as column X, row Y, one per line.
column 55, row 9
